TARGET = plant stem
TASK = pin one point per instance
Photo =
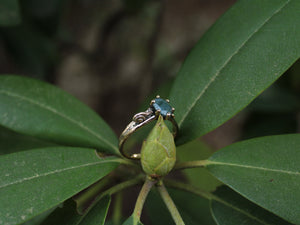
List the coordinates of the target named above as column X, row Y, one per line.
column 122, row 186
column 84, row 198
column 189, row 188
column 142, row 197
column 127, row 162
column 117, row 211
column 204, row 194
column 170, row 204
column 191, row 164
column 117, row 188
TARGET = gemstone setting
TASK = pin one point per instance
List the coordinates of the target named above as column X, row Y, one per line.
column 162, row 106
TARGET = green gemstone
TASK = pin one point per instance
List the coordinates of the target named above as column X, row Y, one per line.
column 163, row 106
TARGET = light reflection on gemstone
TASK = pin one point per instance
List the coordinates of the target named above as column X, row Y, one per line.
column 163, row 106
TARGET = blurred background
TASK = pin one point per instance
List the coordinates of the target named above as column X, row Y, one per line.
column 114, row 54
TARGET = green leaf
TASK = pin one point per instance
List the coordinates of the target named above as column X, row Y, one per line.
column 199, row 177
column 11, row 141
column 275, row 99
column 243, row 53
column 264, row 170
column 232, row 208
column 190, row 212
column 67, row 215
column 97, row 214
column 32, row 182
column 159, row 214
column 154, row 206
column 9, row 13
column 32, row 107
column 132, row 221
column 40, row 218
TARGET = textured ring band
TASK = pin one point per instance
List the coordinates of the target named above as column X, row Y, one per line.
column 158, row 106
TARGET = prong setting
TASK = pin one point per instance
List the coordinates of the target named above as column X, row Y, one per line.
column 157, row 112
column 158, row 106
column 168, row 116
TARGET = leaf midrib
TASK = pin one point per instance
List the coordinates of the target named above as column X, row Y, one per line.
column 240, row 210
column 45, row 107
column 252, row 167
column 25, row 179
column 213, row 78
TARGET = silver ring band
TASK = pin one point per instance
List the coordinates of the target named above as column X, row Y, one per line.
column 158, row 107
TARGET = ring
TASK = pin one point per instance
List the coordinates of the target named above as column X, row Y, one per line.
column 158, row 106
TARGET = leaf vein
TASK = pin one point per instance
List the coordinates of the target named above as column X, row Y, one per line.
column 253, row 167
column 54, row 172
column 213, row 78
column 242, row 211
column 82, row 126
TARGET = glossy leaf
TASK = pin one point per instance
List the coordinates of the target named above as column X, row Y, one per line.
column 32, row 182
column 243, row 53
column 11, row 141
column 9, row 13
column 232, row 208
column 264, row 170
column 32, row 107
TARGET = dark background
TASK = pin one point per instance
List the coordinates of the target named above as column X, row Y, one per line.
column 114, row 54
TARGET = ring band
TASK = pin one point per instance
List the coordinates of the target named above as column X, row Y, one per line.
column 158, row 106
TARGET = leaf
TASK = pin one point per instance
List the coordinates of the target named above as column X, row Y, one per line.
column 65, row 214
column 266, row 124
column 32, row 107
column 275, row 99
column 190, row 212
column 97, row 214
column 40, row 218
column 154, row 206
column 232, row 208
column 199, row 177
column 243, row 53
column 132, row 221
column 68, row 215
column 11, row 141
column 264, row 170
column 9, row 13
column 34, row 181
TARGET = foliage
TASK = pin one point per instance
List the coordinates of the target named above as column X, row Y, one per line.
column 54, row 149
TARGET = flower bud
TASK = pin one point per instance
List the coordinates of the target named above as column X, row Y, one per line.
column 158, row 154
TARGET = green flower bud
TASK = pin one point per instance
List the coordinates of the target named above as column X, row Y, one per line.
column 158, row 154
